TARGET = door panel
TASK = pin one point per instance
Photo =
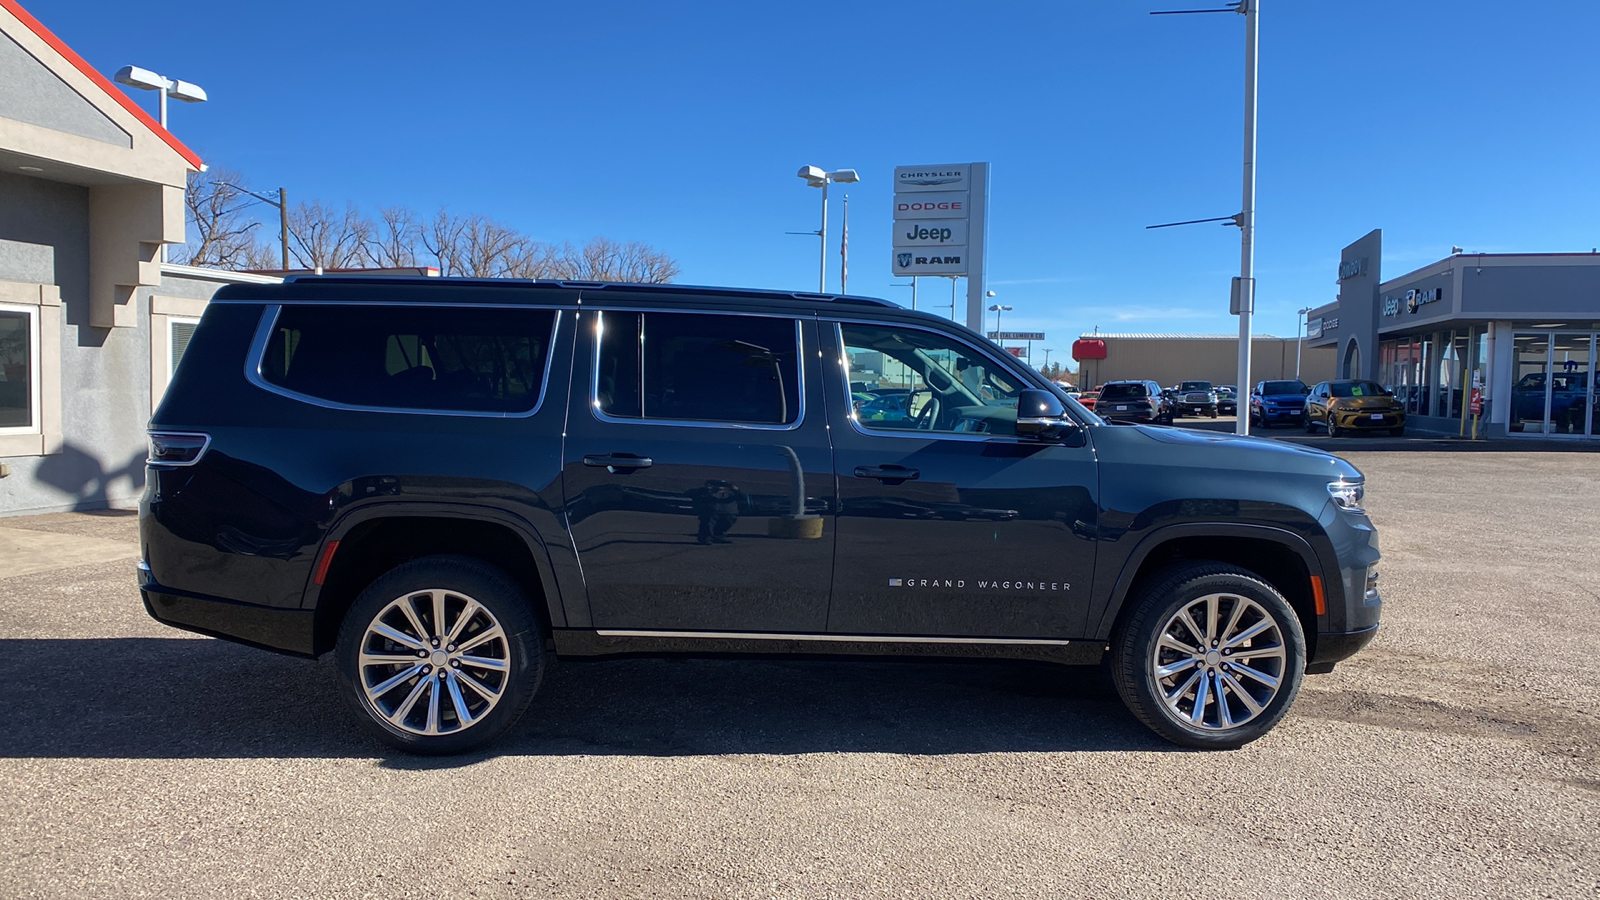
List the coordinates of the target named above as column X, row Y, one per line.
column 691, row 524
column 950, row 525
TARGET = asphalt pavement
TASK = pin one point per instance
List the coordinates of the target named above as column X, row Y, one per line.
column 1458, row 756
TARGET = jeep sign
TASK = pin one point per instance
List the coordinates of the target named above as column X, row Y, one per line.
column 930, row 233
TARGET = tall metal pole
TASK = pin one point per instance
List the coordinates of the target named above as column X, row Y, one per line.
column 1298, row 343
column 822, row 267
column 913, row 293
column 1247, row 216
column 283, row 225
column 844, row 249
column 953, row 280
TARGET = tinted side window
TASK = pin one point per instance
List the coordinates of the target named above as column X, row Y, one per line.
column 707, row 368
column 466, row 359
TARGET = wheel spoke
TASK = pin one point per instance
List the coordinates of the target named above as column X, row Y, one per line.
column 463, row 716
column 484, row 662
column 483, row 690
column 481, row 638
column 411, row 616
column 388, row 659
column 1194, row 627
column 1261, row 677
column 1172, row 643
column 1224, row 715
column 467, row 614
column 1177, row 693
column 1254, row 653
column 1212, row 603
column 378, row 690
column 1239, row 604
column 400, row 713
column 1201, row 694
column 438, row 615
column 398, row 637
column 1243, row 695
column 1172, row 669
column 433, row 705
column 1251, row 632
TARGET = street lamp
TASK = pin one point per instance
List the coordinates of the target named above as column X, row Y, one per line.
column 144, row 79
column 815, row 177
column 1298, row 320
column 997, row 309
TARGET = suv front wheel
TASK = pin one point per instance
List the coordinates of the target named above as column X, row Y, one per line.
column 1211, row 657
column 440, row 655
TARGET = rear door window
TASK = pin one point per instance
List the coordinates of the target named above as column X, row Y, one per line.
column 422, row 358
column 698, row 368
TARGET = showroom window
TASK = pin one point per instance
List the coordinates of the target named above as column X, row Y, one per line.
column 19, row 369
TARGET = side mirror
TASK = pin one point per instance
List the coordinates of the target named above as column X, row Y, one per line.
column 1041, row 414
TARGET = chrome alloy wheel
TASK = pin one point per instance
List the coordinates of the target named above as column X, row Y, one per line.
column 1219, row 662
column 433, row 662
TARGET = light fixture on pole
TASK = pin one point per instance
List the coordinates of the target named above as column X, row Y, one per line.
column 1299, row 319
column 146, row 80
column 815, row 177
column 997, row 309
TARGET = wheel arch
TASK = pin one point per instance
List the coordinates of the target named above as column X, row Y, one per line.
column 1280, row 557
column 375, row 539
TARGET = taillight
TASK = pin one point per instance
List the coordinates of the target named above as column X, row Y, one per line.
column 171, row 448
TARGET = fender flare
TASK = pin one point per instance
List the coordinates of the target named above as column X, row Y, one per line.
column 1317, row 561
column 350, row 518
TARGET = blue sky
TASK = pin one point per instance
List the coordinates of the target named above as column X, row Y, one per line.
column 1443, row 122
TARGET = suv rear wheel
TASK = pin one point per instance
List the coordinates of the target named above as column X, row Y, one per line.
column 1211, row 658
column 440, row 655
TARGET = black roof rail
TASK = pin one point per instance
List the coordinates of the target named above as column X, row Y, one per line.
column 340, row 278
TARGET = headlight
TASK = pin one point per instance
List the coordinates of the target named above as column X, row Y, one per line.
column 1347, row 494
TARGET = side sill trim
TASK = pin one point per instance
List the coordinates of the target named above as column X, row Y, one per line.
column 829, row 638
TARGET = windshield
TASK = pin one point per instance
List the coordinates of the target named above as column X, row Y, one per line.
column 1356, row 389
column 1123, row 391
column 1285, row 387
column 1195, row 386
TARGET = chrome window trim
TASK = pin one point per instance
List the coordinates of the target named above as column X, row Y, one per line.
column 829, row 638
column 594, row 373
column 855, row 423
column 269, row 321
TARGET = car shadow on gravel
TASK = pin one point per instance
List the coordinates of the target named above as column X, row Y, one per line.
column 147, row 698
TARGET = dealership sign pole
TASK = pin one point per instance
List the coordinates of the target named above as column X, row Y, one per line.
column 941, row 227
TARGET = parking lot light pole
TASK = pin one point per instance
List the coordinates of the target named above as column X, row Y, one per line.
column 997, row 309
column 815, row 177
column 1299, row 320
column 146, row 80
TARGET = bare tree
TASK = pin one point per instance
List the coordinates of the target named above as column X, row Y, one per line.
column 393, row 239
column 603, row 259
column 322, row 237
column 223, row 234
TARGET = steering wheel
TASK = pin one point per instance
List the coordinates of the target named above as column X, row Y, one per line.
column 928, row 416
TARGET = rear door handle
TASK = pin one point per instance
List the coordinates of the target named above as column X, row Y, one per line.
column 618, row 461
column 888, row 474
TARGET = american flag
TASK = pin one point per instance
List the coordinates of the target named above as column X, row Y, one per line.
column 844, row 250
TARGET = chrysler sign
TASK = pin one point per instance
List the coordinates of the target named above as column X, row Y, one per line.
column 916, row 179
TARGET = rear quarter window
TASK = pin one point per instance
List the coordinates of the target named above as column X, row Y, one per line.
column 458, row 359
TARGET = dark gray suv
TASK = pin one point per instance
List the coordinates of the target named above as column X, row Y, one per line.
column 447, row 484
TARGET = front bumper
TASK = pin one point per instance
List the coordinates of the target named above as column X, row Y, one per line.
column 1280, row 413
column 1356, row 420
column 1336, row 646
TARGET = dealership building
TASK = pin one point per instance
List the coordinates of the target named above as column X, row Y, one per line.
column 92, row 321
column 1516, row 330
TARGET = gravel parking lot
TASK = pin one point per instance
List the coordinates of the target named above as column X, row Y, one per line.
column 1458, row 756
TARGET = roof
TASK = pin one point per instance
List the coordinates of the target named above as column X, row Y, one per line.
column 122, row 99
column 1140, row 336
column 387, row 288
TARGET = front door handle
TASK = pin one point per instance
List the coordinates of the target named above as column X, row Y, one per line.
column 624, row 461
column 888, row 474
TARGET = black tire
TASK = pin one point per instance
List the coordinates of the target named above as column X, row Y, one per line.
column 1398, row 432
column 489, row 680
column 1306, row 423
column 1334, row 430
column 1138, row 648
column 1213, row 412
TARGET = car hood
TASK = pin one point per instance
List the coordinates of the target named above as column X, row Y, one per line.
column 1189, row 448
